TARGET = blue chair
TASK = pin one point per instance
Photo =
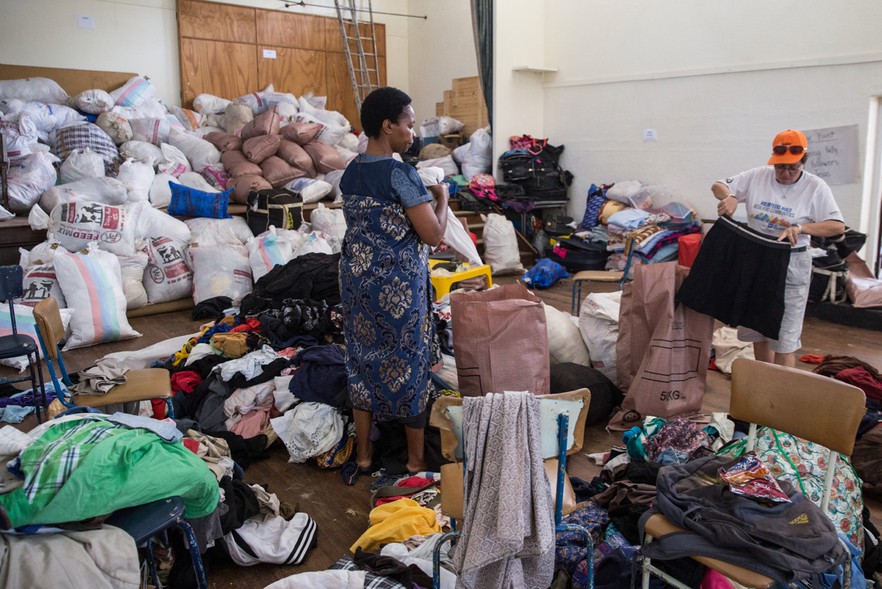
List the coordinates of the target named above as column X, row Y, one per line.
column 16, row 344
column 140, row 385
column 144, row 522
column 562, row 430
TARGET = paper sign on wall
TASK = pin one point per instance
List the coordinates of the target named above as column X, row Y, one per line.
column 269, row 53
column 833, row 154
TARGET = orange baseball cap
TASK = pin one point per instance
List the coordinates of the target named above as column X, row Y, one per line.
column 786, row 147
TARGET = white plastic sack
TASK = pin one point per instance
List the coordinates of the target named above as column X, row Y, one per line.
column 42, row 253
column 478, row 159
column 141, row 151
column 29, row 177
column 168, row 275
column 25, row 324
column 205, row 231
column 313, row 243
column 39, row 89
column 266, row 251
column 599, row 326
column 160, row 191
column 331, row 222
column 19, row 136
column 138, row 179
column 153, row 131
column 349, row 142
column 93, row 287
column 310, row 189
column 173, row 161
column 220, row 270
column 46, row 118
column 105, row 190
column 208, row 103
column 460, row 153
column 134, row 92
column 76, row 224
column 431, row 175
column 446, row 163
column 199, row 152
column 564, row 340
column 132, row 274
column 82, row 163
column 333, row 178
column 152, row 223
column 4, row 214
column 197, row 181
column 38, row 219
column 39, row 282
column 456, row 236
column 501, row 245
column 116, row 126
column 256, row 101
column 94, row 102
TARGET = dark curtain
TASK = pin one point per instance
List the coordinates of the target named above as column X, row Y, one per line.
column 482, row 24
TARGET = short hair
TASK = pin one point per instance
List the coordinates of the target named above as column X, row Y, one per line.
column 380, row 105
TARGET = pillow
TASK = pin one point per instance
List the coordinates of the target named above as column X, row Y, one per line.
column 245, row 185
column 24, row 323
column 83, row 135
column 224, row 141
column 92, row 285
column 277, row 171
column 324, row 156
column 189, row 202
column 258, row 149
column 301, row 133
column 297, row 157
column 266, row 123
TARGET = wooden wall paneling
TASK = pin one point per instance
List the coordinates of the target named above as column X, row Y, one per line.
column 288, row 29
column 297, row 71
column 218, row 22
column 224, row 69
column 72, row 80
column 338, row 89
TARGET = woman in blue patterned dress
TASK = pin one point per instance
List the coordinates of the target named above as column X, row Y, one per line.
column 384, row 277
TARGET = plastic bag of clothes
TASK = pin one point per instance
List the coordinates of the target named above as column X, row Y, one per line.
column 545, row 273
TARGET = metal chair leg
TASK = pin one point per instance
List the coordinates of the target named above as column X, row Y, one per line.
column 193, row 546
column 436, row 557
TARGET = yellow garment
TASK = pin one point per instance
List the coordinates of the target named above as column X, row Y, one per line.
column 396, row 522
column 181, row 355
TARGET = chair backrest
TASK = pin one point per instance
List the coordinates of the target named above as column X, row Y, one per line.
column 49, row 325
column 447, row 417
column 11, row 288
column 810, row 406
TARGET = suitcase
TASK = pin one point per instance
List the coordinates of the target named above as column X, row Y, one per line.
column 278, row 207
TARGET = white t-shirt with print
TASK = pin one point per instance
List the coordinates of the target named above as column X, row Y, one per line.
column 772, row 206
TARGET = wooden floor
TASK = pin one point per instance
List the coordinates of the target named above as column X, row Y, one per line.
column 342, row 512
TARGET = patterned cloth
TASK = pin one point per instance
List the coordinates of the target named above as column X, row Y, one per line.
column 69, row 139
column 508, row 526
column 371, row 580
column 385, row 289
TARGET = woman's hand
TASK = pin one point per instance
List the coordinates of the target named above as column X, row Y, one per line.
column 790, row 234
column 727, row 206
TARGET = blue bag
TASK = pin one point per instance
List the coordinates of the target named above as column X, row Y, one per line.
column 545, row 273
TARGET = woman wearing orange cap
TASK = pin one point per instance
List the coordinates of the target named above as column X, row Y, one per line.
column 789, row 204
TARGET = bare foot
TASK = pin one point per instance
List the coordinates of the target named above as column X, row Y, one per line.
column 416, row 468
column 365, row 463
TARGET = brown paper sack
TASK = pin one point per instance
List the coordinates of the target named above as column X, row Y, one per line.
column 666, row 370
column 500, row 341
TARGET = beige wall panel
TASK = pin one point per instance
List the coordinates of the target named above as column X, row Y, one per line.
column 218, row 22
column 73, row 81
column 216, row 67
column 294, row 70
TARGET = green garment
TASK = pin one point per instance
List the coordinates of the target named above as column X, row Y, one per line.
column 82, row 469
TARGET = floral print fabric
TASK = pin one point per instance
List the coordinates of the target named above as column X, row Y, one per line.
column 385, row 289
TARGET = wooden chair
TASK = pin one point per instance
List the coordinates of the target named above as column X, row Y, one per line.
column 806, row 405
column 562, row 427
column 602, row 276
column 17, row 344
column 141, row 385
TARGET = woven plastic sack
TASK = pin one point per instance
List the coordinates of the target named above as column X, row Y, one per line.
column 501, row 245
column 220, row 271
column 76, row 224
column 132, row 273
column 92, row 285
column 167, row 276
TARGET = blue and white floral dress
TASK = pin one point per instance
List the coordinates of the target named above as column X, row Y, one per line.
column 385, row 289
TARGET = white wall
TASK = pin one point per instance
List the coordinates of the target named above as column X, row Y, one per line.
column 716, row 80
column 141, row 36
column 441, row 48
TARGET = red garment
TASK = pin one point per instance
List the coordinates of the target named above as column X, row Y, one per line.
column 861, row 378
column 160, row 408
column 185, row 380
column 408, row 482
column 812, row 358
column 687, row 248
column 250, row 324
column 191, row 445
